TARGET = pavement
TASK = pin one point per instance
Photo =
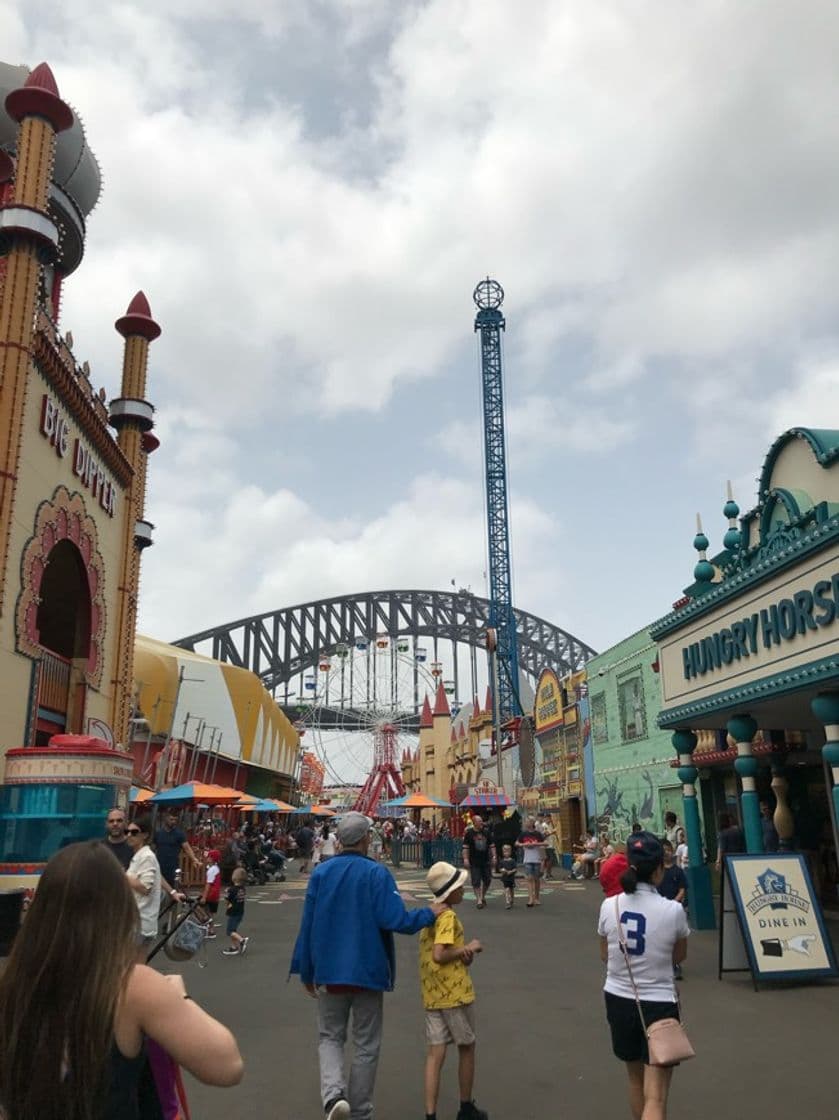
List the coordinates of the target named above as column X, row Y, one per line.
column 543, row 1044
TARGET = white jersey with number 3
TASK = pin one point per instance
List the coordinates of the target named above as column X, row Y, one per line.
column 650, row 926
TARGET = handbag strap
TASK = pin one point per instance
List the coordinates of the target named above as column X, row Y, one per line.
column 625, row 951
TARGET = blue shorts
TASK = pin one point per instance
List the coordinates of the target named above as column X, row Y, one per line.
column 233, row 923
column 532, row 870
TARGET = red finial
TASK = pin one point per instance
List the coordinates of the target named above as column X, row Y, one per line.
column 7, row 167
column 488, row 707
column 476, row 707
column 139, row 306
column 138, row 320
column 454, row 736
column 425, row 718
column 38, row 97
column 42, row 77
column 149, row 442
column 441, row 704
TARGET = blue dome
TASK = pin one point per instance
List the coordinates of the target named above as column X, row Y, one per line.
column 704, row 571
column 700, row 542
column 731, row 540
column 730, row 509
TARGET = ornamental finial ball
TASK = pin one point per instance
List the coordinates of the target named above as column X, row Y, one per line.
column 488, row 295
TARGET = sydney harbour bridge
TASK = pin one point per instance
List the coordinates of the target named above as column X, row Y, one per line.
column 286, row 646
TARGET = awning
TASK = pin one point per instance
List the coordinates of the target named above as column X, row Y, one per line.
column 486, row 801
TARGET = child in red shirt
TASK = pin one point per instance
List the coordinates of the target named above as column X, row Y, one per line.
column 611, row 870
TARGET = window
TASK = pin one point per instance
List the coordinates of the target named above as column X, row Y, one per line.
column 599, row 725
column 633, row 714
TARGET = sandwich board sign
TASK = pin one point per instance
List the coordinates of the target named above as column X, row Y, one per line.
column 770, row 921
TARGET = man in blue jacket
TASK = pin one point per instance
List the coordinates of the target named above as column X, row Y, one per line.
column 345, row 957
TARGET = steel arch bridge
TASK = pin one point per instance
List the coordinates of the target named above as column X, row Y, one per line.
column 282, row 644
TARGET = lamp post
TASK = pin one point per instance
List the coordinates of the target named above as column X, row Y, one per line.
column 209, row 753
column 492, row 649
column 164, row 757
column 196, row 749
column 215, row 760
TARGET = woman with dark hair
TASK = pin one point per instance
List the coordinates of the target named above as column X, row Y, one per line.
column 75, row 1008
column 144, row 878
column 652, row 933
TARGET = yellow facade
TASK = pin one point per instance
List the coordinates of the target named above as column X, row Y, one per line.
column 70, row 501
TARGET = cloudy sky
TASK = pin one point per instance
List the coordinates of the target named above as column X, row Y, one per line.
column 308, row 191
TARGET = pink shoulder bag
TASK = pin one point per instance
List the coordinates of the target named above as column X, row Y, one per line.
column 667, row 1039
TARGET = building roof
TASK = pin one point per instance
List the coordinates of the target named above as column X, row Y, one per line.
column 234, row 701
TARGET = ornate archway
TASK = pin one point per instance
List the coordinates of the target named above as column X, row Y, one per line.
column 66, row 535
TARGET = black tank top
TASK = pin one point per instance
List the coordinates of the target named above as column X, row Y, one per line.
column 122, row 1099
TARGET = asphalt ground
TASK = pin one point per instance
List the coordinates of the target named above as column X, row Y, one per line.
column 543, row 1044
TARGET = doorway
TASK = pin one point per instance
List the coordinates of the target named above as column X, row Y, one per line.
column 63, row 623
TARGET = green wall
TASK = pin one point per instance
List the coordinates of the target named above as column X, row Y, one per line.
column 633, row 779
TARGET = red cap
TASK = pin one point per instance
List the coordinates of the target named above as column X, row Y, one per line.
column 38, row 97
column 138, row 320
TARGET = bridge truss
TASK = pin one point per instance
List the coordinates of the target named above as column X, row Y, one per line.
column 281, row 645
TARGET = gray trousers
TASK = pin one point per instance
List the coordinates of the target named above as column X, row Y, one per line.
column 333, row 1019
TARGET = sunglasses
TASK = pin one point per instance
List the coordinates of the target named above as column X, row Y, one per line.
column 133, row 831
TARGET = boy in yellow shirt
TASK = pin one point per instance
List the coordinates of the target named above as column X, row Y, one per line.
column 447, row 993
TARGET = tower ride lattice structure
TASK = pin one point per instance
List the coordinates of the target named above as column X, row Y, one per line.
column 489, row 322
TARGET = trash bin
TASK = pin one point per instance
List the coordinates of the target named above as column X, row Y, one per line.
column 11, row 911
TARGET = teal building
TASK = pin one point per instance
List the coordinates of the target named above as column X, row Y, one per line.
column 633, row 779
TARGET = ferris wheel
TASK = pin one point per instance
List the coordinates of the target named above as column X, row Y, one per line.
column 362, row 710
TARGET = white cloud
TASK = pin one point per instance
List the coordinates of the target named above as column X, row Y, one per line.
column 540, row 427
column 308, row 195
column 223, row 551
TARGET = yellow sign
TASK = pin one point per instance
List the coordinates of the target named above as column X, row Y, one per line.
column 779, row 917
column 547, row 710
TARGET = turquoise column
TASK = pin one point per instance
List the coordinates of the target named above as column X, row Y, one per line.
column 742, row 729
column 700, row 899
column 825, row 707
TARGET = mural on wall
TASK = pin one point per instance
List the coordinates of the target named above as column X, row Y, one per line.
column 628, row 796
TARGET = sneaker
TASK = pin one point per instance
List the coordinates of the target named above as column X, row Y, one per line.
column 243, row 948
column 211, row 937
column 338, row 1109
column 470, row 1111
column 230, row 952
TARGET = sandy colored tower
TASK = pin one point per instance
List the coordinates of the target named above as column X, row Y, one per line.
column 72, row 496
column 32, row 239
column 133, row 417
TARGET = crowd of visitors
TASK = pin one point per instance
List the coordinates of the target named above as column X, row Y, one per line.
column 644, row 915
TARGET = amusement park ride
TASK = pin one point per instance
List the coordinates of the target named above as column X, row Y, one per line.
column 361, row 662
column 488, row 297
column 384, row 780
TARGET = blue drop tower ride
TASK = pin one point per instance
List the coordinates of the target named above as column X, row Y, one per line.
column 488, row 297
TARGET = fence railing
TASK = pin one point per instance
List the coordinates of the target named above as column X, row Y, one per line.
column 422, row 853
column 54, row 682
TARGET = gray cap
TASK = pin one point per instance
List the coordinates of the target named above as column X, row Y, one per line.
column 353, row 827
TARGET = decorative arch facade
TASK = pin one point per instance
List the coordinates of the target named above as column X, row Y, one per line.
column 62, row 518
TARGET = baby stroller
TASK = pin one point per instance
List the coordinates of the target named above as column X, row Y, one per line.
column 274, row 865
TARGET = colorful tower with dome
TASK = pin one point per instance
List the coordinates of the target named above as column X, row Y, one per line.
column 72, row 495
